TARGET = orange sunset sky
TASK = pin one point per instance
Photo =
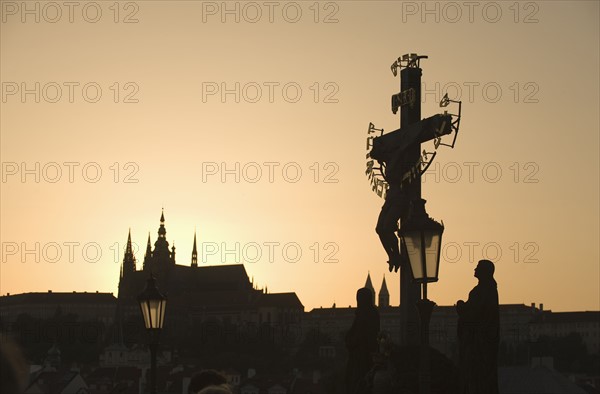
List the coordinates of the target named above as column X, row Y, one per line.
column 111, row 111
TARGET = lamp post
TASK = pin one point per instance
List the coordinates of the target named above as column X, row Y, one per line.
column 153, row 304
column 421, row 238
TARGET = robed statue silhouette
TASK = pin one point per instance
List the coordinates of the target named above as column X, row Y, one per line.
column 361, row 342
column 479, row 334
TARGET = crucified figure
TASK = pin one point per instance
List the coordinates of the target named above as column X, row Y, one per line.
column 390, row 150
column 396, row 204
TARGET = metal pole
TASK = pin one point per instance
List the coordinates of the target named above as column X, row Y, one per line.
column 410, row 78
column 153, row 350
column 425, row 307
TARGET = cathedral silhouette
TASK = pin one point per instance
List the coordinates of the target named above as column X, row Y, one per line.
column 220, row 293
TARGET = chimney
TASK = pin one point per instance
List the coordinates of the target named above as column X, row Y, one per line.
column 541, row 307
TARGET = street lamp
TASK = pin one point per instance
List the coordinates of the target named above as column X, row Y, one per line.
column 421, row 238
column 153, row 304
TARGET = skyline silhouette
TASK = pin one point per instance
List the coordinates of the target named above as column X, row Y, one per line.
column 202, row 117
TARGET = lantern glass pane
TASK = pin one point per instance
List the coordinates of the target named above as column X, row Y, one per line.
column 145, row 313
column 161, row 320
column 154, row 305
column 412, row 240
column 432, row 248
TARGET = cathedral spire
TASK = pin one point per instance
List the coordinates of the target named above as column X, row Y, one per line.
column 129, row 248
column 128, row 259
column 369, row 285
column 194, row 253
column 162, row 231
column 384, row 295
column 148, row 247
column 162, row 255
column 148, row 254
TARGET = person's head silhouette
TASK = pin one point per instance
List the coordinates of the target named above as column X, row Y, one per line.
column 206, row 378
column 364, row 298
column 13, row 367
column 484, row 270
column 221, row 389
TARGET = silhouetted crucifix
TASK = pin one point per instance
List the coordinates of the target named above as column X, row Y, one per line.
column 399, row 154
column 399, row 169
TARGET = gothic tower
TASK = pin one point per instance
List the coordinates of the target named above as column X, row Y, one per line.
column 161, row 258
column 194, row 253
column 369, row 285
column 384, row 295
column 148, row 254
column 128, row 265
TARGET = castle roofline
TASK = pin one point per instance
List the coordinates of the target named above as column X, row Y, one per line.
column 58, row 297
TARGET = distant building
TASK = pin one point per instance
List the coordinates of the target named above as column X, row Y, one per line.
column 87, row 306
column 220, row 293
column 119, row 355
column 334, row 322
column 53, row 358
column 534, row 379
column 515, row 323
column 519, row 325
column 53, row 382
column 105, row 380
column 224, row 294
column 515, row 320
column 560, row 324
